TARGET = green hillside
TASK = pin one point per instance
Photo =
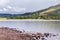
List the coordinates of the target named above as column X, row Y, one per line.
column 51, row 13
column 48, row 13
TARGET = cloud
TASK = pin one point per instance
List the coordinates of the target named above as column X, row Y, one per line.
column 1, row 10
column 15, row 8
column 10, row 7
column 27, row 1
column 29, row 5
column 5, row 9
column 18, row 9
column 3, row 2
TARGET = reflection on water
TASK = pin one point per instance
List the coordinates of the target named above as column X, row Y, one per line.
column 36, row 26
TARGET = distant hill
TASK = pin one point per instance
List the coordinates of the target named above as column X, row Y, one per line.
column 52, row 12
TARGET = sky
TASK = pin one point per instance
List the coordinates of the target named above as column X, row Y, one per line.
column 26, row 5
column 33, row 26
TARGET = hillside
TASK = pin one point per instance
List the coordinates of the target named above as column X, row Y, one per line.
column 48, row 13
column 52, row 12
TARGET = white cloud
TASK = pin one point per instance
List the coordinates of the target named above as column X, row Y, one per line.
column 4, row 9
column 53, row 0
column 1, row 10
column 28, row 5
column 10, row 7
column 17, row 9
column 27, row 1
column 3, row 2
column 14, row 8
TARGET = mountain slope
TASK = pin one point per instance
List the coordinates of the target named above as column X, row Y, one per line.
column 51, row 9
column 49, row 13
column 52, row 12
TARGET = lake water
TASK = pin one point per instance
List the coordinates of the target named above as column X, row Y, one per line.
column 34, row 26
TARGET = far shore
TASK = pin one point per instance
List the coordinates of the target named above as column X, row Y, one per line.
column 26, row 20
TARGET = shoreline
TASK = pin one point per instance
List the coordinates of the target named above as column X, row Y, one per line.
column 28, row 20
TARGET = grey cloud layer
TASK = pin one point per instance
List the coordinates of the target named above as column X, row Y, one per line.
column 32, row 5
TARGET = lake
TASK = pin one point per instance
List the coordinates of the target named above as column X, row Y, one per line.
column 35, row 26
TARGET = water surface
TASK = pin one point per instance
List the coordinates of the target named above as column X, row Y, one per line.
column 35, row 26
